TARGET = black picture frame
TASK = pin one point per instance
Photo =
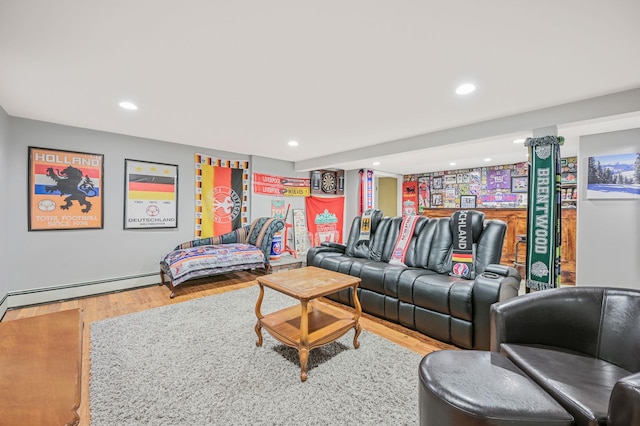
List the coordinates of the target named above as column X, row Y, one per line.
column 519, row 184
column 65, row 190
column 150, row 195
column 467, row 201
column 436, row 182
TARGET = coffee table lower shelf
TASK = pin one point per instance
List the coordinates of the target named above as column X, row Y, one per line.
column 325, row 324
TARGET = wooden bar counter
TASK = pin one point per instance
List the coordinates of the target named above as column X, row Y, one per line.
column 40, row 369
column 516, row 220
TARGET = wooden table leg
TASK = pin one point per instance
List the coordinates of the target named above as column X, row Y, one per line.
column 258, row 327
column 304, row 340
column 356, row 317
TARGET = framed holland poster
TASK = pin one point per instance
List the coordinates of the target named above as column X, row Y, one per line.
column 150, row 195
column 65, row 190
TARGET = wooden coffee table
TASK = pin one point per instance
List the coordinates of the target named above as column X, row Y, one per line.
column 312, row 324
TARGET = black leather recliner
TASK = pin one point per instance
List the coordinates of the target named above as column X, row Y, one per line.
column 581, row 345
column 422, row 294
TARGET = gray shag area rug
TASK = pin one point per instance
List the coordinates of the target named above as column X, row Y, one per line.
column 196, row 363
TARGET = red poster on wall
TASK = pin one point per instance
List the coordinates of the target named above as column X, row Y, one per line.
column 409, row 198
column 325, row 219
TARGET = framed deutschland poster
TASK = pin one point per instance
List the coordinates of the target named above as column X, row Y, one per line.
column 150, row 195
column 65, row 190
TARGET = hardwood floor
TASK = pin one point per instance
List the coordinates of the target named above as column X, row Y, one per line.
column 115, row 304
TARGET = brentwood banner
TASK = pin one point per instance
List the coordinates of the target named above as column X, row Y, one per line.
column 325, row 219
column 543, row 218
column 222, row 188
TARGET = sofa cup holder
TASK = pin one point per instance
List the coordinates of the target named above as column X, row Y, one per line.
column 490, row 275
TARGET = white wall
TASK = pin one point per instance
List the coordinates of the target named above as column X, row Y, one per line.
column 608, row 231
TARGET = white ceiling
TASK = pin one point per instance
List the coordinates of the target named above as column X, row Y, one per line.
column 248, row 76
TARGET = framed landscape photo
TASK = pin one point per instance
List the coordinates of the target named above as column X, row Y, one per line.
column 467, row 201
column 614, row 176
column 150, row 195
column 65, row 190
column 519, row 184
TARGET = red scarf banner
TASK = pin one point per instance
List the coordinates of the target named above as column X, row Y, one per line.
column 325, row 219
column 365, row 191
column 409, row 198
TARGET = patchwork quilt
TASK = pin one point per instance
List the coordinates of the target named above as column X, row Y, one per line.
column 184, row 264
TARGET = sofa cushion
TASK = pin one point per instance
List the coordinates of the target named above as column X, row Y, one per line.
column 360, row 248
column 193, row 262
column 466, row 227
column 407, row 282
column 333, row 262
column 381, row 277
column 444, row 294
column 441, row 245
column 581, row 383
column 317, row 257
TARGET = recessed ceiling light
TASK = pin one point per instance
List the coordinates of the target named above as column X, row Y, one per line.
column 293, row 143
column 487, row 159
column 520, row 140
column 465, row 89
column 128, row 105
column 376, row 163
column 452, row 164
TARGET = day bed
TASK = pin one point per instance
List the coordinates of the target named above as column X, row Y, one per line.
column 581, row 345
column 421, row 293
column 567, row 356
column 248, row 247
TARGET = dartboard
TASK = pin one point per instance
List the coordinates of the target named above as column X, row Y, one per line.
column 328, row 182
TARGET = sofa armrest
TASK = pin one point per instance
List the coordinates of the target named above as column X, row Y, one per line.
column 263, row 236
column 313, row 252
column 339, row 247
column 497, row 283
column 624, row 404
column 506, row 271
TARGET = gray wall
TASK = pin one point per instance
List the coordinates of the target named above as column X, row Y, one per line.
column 608, row 231
column 261, row 204
column 4, row 196
column 86, row 259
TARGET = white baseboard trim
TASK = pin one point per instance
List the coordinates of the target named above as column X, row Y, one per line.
column 16, row 299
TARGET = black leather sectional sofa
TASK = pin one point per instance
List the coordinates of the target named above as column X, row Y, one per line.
column 421, row 293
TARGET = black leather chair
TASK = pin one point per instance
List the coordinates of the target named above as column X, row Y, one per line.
column 581, row 345
column 556, row 355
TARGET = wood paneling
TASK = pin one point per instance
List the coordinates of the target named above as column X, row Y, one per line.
column 516, row 220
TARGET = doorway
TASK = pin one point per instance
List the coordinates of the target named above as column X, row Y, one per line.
column 388, row 195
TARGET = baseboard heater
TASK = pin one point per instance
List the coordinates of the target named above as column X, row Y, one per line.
column 17, row 299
